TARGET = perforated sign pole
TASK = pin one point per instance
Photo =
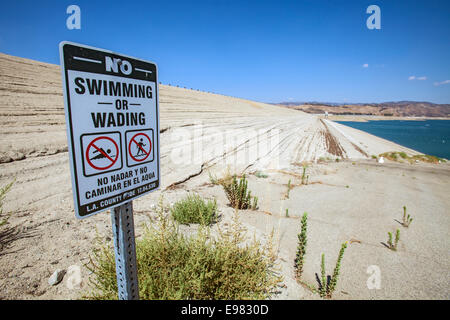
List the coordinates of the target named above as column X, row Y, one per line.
column 125, row 251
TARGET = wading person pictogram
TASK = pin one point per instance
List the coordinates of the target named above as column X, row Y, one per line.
column 140, row 147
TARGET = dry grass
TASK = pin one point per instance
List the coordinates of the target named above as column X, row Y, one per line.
column 403, row 157
column 174, row 266
column 3, row 191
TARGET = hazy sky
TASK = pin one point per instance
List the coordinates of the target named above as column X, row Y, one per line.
column 310, row 50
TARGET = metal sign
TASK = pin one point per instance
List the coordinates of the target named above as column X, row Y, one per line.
column 112, row 116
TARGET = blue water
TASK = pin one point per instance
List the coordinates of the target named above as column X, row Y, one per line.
column 429, row 137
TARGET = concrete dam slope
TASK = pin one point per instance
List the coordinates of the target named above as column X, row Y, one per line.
column 355, row 199
column 199, row 130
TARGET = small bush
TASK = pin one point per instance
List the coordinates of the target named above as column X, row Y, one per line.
column 301, row 247
column 326, row 287
column 193, row 209
column 172, row 266
column 238, row 194
column 427, row 158
column 394, row 156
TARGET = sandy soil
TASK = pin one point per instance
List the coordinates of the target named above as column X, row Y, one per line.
column 355, row 198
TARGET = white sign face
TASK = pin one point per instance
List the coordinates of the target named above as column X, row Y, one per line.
column 112, row 117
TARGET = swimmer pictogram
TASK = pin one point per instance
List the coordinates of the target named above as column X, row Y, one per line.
column 101, row 154
column 95, row 147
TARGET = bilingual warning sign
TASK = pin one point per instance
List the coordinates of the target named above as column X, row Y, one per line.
column 112, row 117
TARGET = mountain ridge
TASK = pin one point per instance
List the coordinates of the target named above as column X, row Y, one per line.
column 402, row 108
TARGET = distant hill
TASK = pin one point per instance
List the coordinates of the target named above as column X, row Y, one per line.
column 395, row 108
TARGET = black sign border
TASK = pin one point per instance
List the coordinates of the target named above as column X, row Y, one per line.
column 65, row 63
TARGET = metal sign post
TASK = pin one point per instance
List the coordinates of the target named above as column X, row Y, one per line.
column 125, row 251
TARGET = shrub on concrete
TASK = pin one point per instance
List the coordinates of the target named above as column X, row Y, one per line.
column 193, row 209
column 326, row 287
column 395, row 156
column 238, row 194
column 174, row 266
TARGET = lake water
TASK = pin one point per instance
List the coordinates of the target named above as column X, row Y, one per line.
column 430, row 136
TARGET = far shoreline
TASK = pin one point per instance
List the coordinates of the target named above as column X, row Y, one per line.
column 366, row 118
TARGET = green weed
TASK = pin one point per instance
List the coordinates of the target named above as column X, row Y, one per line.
column 326, row 287
column 238, row 194
column 407, row 219
column 289, row 187
column 394, row 156
column 260, row 174
column 305, row 178
column 301, row 247
column 393, row 244
column 193, row 209
column 172, row 266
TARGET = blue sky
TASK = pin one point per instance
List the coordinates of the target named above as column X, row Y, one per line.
column 309, row 50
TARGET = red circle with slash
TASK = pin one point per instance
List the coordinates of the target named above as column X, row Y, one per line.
column 113, row 161
column 140, row 147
